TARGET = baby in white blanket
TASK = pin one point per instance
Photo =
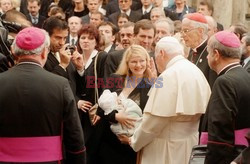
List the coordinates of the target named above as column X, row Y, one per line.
column 109, row 101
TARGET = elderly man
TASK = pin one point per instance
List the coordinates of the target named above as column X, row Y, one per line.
column 170, row 122
column 229, row 106
column 164, row 27
column 75, row 24
column 37, row 108
column 194, row 33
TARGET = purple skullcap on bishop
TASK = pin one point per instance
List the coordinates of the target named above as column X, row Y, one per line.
column 196, row 17
column 228, row 39
column 30, row 38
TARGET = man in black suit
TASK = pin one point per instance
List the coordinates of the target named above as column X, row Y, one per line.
column 44, row 7
column 59, row 58
column 228, row 109
column 125, row 7
column 75, row 24
column 246, row 51
column 147, row 5
column 36, row 19
column 37, row 108
column 113, row 6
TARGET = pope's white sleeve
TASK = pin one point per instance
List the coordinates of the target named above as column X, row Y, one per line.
column 150, row 127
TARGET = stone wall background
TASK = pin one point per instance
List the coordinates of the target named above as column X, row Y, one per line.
column 229, row 12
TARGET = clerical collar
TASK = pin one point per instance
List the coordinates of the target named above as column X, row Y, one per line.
column 29, row 61
column 200, row 45
column 229, row 67
column 127, row 12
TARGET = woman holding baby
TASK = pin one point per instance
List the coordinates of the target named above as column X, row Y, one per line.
column 135, row 75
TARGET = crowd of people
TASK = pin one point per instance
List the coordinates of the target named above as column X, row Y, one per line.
column 168, row 76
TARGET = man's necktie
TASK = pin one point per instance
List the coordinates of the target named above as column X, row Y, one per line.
column 73, row 42
column 35, row 20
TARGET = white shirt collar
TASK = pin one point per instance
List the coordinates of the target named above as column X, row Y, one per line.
column 246, row 60
column 148, row 9
column 127, row 12
column 93, row 54
column 108, row 48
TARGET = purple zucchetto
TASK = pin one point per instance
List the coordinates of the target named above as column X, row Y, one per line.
column 228, row 39
column 30, row 38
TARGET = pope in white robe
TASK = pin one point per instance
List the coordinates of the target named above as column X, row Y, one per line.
column 169, row 128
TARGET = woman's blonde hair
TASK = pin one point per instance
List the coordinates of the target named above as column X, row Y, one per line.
column 133, row 50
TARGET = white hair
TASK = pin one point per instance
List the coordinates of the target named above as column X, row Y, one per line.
column 170, row 45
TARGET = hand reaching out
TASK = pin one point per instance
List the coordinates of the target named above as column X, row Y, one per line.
column 151, row 69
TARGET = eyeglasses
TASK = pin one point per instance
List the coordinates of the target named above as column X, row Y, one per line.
column 185, row 31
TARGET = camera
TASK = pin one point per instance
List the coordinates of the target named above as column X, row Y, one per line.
column 71, row 49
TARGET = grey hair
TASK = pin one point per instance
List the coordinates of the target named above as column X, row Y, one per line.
column 228, row 52
column 196, row 24
column 171, row 48
column 169, row 22
column 160, row 10
column 19, row 51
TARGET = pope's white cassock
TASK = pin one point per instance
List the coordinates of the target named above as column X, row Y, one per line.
column 169, row 128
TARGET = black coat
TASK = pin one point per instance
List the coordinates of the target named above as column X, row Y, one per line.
column 36, row 103
column 133, row 17
column 228, row 110
column 52, row 65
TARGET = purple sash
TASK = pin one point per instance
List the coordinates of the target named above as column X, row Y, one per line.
column 30, row 149
column 239, row 137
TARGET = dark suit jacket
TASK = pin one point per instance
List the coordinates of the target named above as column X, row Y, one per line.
column 113, row 6
column 41, row 19
column 52, row 65
column 36, row 103
column 228, row 110
column 247, row 67
column 43, row 10
column 85, row 19
column 133, row 17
